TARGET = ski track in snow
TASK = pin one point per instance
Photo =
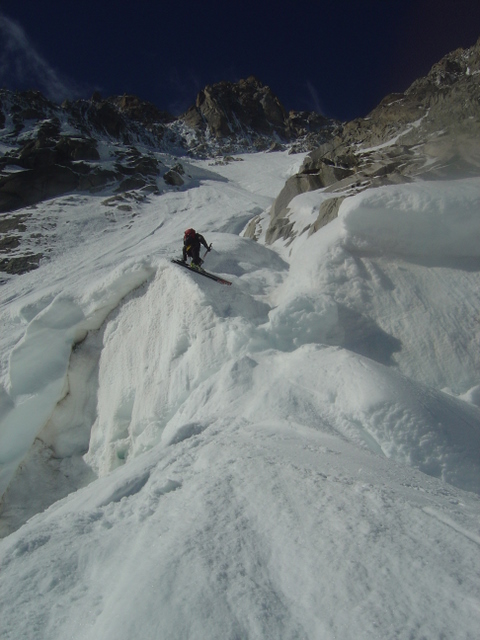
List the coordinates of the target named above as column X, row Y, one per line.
column 295, row 456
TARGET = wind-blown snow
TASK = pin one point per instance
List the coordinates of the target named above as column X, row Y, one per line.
column 295, row 456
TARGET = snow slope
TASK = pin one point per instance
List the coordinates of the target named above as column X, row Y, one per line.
column 295, row 456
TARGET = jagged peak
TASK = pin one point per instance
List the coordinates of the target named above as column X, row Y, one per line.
column 249, row 110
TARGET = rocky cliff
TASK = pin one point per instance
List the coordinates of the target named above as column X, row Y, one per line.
column 49, row 149
column 431, row 131
column 126, row 148
column 246, row 115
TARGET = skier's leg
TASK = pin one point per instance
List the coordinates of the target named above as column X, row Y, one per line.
column 196, row 260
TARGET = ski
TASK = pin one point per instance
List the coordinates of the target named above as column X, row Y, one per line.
column 201, row 272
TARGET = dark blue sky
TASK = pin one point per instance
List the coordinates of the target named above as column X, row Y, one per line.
column 337, row 57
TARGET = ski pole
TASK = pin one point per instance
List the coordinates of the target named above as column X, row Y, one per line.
column 209, row 249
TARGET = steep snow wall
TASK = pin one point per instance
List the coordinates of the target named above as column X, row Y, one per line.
column 39, row 362
column 186, row 352
column 157, row 350
column 400, row 269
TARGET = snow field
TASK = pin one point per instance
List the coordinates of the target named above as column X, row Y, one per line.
column 275, row 459
column 249, row 529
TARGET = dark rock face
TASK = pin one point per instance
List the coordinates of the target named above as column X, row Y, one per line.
column 56, row 151
column 11, row 228
column 432, row 131
column 248, row 114
column 55, row 162
column 34, row 185
column 140, row 111
column 71, row 149
column 20, row 264
column 173, row 177
column 50, row 166
column 242, row 107
column 85, row 146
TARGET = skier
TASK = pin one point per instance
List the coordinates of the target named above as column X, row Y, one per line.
column 191, row 247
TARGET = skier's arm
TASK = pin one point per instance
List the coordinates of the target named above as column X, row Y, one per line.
column 203, row 241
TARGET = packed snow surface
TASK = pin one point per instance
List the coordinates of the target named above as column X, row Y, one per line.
column 292, row 457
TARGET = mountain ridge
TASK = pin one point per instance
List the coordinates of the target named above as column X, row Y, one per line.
column 129, row 150
column 429, row 132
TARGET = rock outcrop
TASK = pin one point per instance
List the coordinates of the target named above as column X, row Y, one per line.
column 248, row 115
column 431, row 131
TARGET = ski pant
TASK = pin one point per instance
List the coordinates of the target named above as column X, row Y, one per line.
column 193, row 252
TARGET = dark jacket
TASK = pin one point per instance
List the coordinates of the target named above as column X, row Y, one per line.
column 192, row 248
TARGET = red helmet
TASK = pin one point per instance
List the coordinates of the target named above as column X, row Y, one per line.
column 189, row 234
